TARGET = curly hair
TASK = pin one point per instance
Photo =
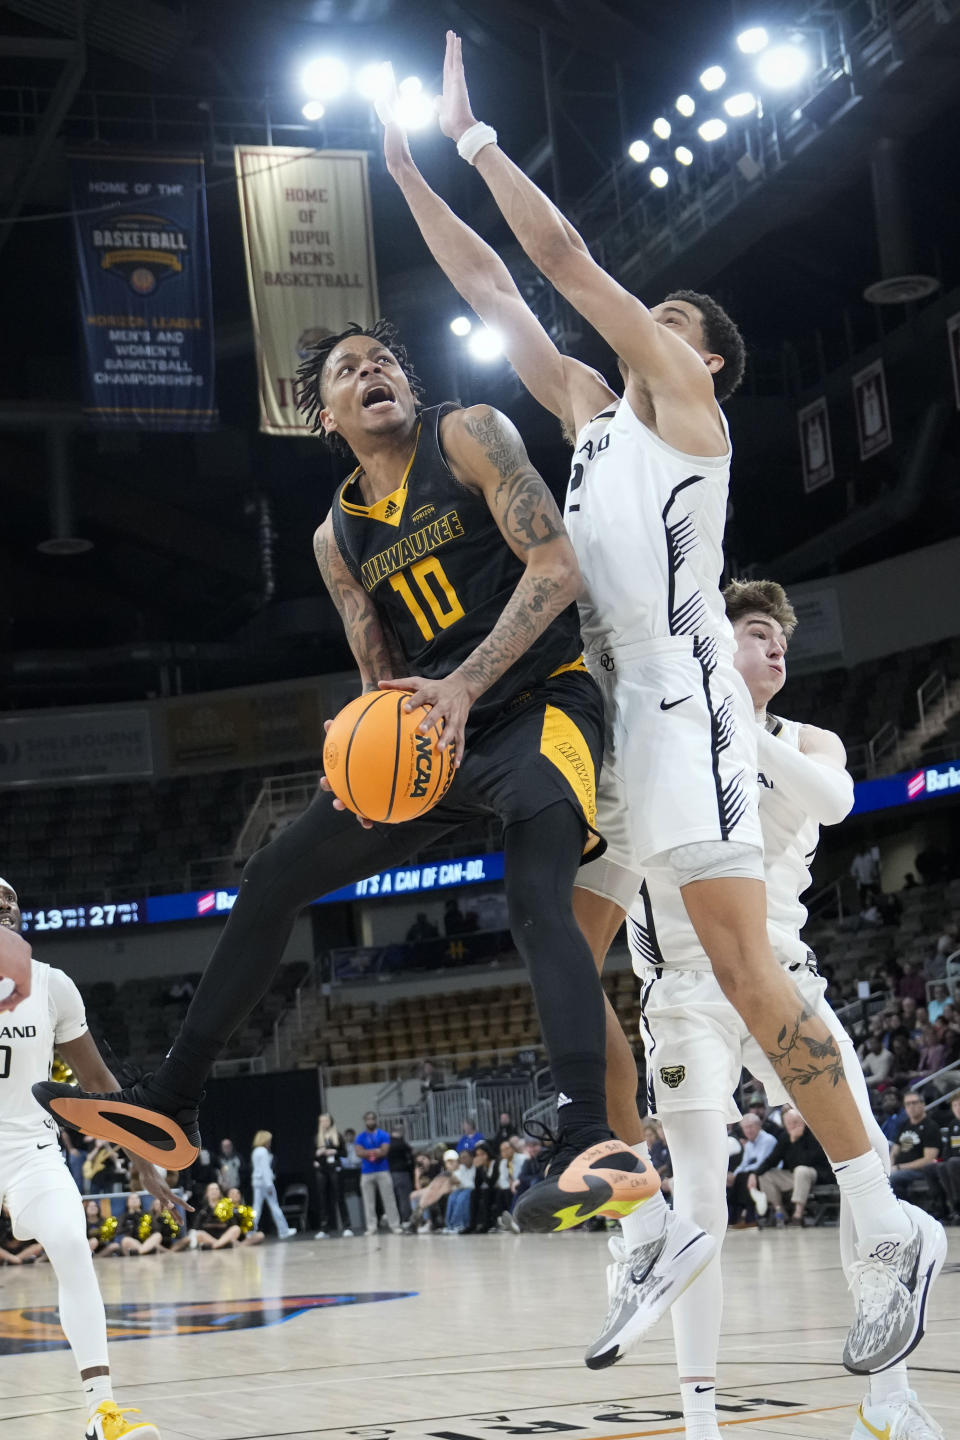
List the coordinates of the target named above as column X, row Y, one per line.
column 765, row 597
column 310, row 375
column 722, row 338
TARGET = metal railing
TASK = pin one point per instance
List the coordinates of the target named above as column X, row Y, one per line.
column 281, row 799
column 884, row 748
column 441, row 1114
column 930, row 694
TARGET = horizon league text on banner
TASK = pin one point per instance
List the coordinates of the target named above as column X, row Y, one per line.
column 46, row 749
column 143, row 269
column 308, row 237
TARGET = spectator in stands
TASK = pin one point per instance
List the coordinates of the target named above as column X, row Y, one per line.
column 758, row 1144
column 892, row 1113
column 506, row 1174
column 871, row 914
column 373, row 1146
column 484, row 1183
column 421, row 930
column 214, row 1225
column 505, row 1130
column 911, row 985
column 470, row 1136
column 429, row 1204
column 400, row 1161
column 938, row 1002
column 104, row 1170
column 947, row 1173
column 875, row 1061
column 792, row 1168
column 429, row 1078
column 454, row 920
column 229, row 1166
column 910, row 881
column 137, row 1235
column 520, row 1151
column 264, row 1186
column 905, row 1059
column 458, row 1203
column 932, row 1052
column 890, row 908
column 351, row 1160
column 916, row 1147
column 931, row 865
column 865, row 869
column 328, row 1159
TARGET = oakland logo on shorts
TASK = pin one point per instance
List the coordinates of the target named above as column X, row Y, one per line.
column 144, row 250
column 673, row 1075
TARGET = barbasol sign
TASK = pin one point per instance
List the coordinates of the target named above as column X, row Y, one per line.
column 933, row 782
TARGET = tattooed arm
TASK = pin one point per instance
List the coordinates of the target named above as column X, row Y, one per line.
column 365, row 633
column 487, row 456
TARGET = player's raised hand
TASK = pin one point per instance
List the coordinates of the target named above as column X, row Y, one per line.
column 386, row 100
column 15, row 958
column 154, row 1182
column 453, row 106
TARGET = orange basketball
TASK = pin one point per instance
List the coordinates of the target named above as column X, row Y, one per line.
column 378, row 763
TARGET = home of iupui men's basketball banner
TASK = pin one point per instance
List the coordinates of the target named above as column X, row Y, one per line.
column 308, row 236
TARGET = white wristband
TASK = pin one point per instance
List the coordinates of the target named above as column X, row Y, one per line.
column 474, row 140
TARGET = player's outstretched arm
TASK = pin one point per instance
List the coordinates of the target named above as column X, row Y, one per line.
column 815, row 777
column 569, row 389
column 365, row 633
column 486, row 454
column 661, row 360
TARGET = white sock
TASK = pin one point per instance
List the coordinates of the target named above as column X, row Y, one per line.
column 889, row 1382
column 95, row 1391
column 647, row 1222
column 699, row 1399
column 875, row 1209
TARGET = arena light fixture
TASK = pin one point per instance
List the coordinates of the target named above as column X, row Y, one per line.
column 639, row 151
column 739, row 105
column 683, row 155
column 661, row 128
column 485, row 344
column 659, row 176
column 753, row 40
column 314, row 110
column 686, row 105
column 783, row 67
column 325, row 78
column 712, row 130
column 713, row 77
column 372, row 79
column 461, row 325
column 415, row 108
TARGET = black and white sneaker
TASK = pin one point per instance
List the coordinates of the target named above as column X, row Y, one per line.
column 891, row 1281
column 643, row 1283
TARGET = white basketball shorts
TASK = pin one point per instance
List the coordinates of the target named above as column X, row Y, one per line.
column 696, row 1043
column 679, row 760
column 30, row 1166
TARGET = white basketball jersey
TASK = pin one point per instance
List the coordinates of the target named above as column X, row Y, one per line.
column 646, row 522
column 659, row 931
column 52, row 1012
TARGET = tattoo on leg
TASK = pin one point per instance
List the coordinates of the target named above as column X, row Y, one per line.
column 800, row 1059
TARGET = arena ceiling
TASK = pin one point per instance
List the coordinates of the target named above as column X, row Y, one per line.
column 175, row 577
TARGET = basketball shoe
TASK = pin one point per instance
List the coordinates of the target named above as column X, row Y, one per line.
column 900, row 1417
column 605, row 1179
column 891, row 1281
column 107, row 1423
column 135, row 1117
column 643, row 1283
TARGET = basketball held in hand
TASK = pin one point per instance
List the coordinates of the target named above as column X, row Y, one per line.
column 380, row 765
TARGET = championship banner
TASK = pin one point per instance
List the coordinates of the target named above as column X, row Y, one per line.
column 308, row 235
column 953, row 339
column 873, row 413
column 143, row 267
column 816, row 452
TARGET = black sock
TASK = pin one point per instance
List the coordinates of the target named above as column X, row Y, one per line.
column 179, row 1079
column 581, row 1098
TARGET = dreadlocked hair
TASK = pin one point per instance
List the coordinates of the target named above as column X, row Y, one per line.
column 310, row 375
column 722, row 338
column 763, row 597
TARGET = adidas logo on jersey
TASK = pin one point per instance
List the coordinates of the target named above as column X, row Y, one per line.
column 563, row 1100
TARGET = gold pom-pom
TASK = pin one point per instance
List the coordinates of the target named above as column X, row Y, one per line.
column 145, row 1226
column 223, row 1209
column 245, row 1216
column 170, row 1224
column 108, row 1229
column 62, row 1073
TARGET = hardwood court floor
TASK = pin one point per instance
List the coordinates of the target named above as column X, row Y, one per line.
column 485, row 1339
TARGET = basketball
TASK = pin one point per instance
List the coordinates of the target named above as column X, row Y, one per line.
column 379, row 764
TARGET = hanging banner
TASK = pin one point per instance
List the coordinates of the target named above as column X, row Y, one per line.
column 143, row 267
column 953, row 339
column 873, row 413
column 816, row 452
column 308, row 235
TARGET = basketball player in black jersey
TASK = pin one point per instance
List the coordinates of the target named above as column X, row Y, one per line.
column 447, row 559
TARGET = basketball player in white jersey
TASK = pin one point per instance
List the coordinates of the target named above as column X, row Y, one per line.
column 645, row 512
column 35, row 1184
column 696, row 1044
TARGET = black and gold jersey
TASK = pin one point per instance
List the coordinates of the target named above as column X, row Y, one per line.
column 440, row 573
